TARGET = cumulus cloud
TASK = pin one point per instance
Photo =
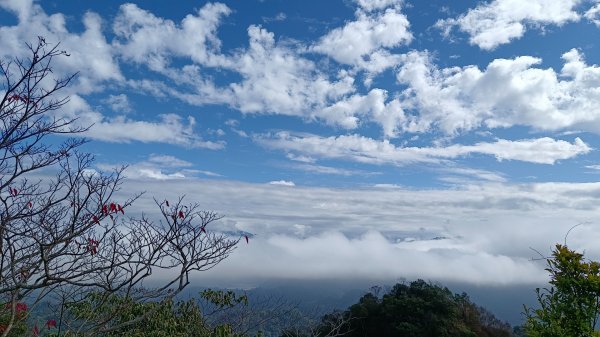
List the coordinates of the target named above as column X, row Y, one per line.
column 372, row 106
column 95, row 60
column 506, row 93
column 276, row 80
column 367, row 150
column 91, row 55
column 498, row 22
column 145, row 38
column 365, row 42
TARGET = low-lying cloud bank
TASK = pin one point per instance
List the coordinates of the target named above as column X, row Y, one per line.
column 479, row 234
column 371, row 256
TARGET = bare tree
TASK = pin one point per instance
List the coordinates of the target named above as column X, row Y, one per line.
column 334, row 324
column 250, row 314
column 66, row 234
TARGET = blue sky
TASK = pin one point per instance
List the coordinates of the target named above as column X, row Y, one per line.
column 452, row 135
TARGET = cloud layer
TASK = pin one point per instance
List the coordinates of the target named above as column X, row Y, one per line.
column 484, row 230
column 366, row 150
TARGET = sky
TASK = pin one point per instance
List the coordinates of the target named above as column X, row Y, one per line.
column 367, row 139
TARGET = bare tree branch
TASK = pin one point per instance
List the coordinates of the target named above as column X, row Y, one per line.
column 67, row 236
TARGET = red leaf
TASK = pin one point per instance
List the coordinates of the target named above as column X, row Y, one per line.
column 120, row 209
column 30, row 204
column 51, row 323
column 92, row 246
column 95, row 219
column 113, row 207
column 21, row 307
column 181, row 216
column 104, row 209
column 36, row 330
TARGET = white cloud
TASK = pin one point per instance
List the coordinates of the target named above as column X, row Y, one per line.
column 118, row 103
column 361, row 232
column 391, row 186
column 500, row 21
column 366, row 150
column 372, row 5
column 593, row 14
column 470, row 174
column 275, row 78
column 321, row 169
column 208, row 173
column 508, row 92
column 277, row 81
column 281, row 16
column 303, row 159
column 371, row 256
column 282, row 183
column 159, row 167
column 91, row 56
column 145, row 38
column 22, row 8
column 168, row 161
column 372, row 106
column 170, row 128
column 365, row 41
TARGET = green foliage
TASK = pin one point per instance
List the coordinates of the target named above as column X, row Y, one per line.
column 223, row 299
column 160, row 319
column 570, row 306
column 19, row 326
column 418, row 309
